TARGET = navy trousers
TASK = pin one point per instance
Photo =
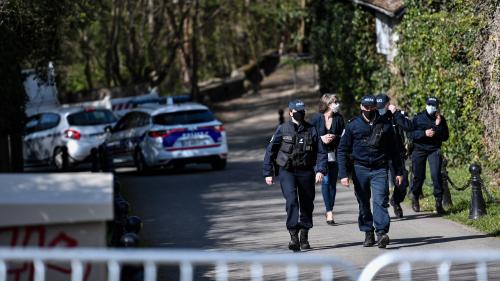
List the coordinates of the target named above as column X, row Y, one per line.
column 368, row 182
column 329, row 186
column 400, row 191
column 418, row 159
column 298, row 189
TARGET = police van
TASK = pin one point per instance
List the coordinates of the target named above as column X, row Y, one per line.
column 159, row 135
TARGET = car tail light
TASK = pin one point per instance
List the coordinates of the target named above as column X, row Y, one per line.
column 164, row 133
column 72, row 134
column 157, row 134
column 89, row 109
column 218, row 128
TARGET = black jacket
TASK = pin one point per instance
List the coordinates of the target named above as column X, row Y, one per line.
column 355, row 141
column 422, row 122
column 275, row 144
column 337, row 128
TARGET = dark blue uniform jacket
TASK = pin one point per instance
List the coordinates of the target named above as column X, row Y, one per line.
column 354, row 141
column 337, row 128
column 275, row 144
column 423, row 121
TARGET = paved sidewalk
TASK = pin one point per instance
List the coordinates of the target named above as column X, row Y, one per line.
column 235, row 210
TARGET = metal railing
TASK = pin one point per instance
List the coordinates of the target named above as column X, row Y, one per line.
column 115, row 259
column 442, row 259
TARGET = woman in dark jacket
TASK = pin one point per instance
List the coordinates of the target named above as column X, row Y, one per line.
column 329, row 124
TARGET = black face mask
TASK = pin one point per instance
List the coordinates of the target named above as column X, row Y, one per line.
column 299, row 116
column 369, row 114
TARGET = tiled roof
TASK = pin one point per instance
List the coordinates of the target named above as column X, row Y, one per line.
column 388, row 7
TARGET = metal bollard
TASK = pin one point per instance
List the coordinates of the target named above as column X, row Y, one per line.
column 478, row 206
column 447, row 202
column 281, row 118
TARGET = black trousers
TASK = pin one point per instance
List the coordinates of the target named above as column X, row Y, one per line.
column 418, row 159
column 297, row 186
column 400, row 191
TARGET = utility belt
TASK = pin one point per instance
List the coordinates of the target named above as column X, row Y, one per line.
column 377, row 165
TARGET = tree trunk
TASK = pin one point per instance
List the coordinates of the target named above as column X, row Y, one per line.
column 195, row 91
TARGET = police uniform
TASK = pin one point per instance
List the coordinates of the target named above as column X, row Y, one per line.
column 296, row 153
column 424, row 148
column 371, row 145
column 399, row 193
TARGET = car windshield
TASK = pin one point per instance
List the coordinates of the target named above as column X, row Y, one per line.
column 91, row 117
column 184, row 117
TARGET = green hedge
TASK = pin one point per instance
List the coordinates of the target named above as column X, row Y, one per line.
column 437, row 56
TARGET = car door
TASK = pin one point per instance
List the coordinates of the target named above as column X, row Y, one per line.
column 50, row 135
column 31, row 127
column 118, row 143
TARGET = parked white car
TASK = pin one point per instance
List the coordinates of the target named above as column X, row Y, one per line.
column 70, row 132
column 168, row 135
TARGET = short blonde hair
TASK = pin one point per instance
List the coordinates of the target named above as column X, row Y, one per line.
column 326, row 100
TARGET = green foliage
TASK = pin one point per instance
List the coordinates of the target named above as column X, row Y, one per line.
column 437, row 58
column 344, row 46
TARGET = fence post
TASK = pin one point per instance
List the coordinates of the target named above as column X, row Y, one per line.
column 477, row 204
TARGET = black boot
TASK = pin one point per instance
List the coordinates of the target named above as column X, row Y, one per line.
column 382, row 240
column 304, row 239
column 369, row 239
column 398, row 211
column 439, row 207
column 294, row 244
column 415, row 205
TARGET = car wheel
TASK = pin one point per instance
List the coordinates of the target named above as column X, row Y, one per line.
column 219, row 164
column 140, row 163
column 60, row 158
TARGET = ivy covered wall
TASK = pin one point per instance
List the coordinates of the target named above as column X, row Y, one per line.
column 439, row 54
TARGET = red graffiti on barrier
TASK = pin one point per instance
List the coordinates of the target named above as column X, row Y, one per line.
column 37, row 236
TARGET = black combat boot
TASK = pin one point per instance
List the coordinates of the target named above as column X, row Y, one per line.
column 398, row 211
column 439, row 207
column 382, row 240
column 304, row 239
column 294, row 244
column 415, row 205
column 369, row 239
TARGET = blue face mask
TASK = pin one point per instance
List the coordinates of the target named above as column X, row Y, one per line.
column 382, row 111
column 430, row 109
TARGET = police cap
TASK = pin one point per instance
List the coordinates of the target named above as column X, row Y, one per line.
column 382, row 100
column 297, row 105
column 368, row 100
column 433, row 101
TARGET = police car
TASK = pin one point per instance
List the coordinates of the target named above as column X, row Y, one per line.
column 158, row 135
column 65, row 135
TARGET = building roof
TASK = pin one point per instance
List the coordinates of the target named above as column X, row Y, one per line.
column 390, row 8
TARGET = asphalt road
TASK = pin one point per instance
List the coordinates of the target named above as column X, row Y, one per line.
column 233, row 209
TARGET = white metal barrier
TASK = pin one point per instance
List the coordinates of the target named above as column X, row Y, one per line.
column 186, row 259
column 442, row 259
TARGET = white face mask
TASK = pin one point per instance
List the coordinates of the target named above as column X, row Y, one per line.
column 335, row 107
column 382, row 111
column 430, row 109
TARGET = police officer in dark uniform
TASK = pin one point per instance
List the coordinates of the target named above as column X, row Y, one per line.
column 297, row 154
column 430, row 130
column 371, row 142
column 399, row 193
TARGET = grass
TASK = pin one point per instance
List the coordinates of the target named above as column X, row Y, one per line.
column 459, row 212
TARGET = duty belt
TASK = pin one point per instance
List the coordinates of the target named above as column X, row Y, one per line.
column 378, row 164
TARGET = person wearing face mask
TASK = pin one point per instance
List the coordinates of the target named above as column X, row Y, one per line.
column 399, row 192
column 430, row 130
column 370, row 140
column 298, row 156
column 329, row 123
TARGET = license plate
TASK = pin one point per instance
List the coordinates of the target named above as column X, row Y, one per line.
column 190, row 143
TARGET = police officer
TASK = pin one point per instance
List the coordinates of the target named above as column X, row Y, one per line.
column 430, row 130
column 371, row 141
column 297, row 154
column 399, row 193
